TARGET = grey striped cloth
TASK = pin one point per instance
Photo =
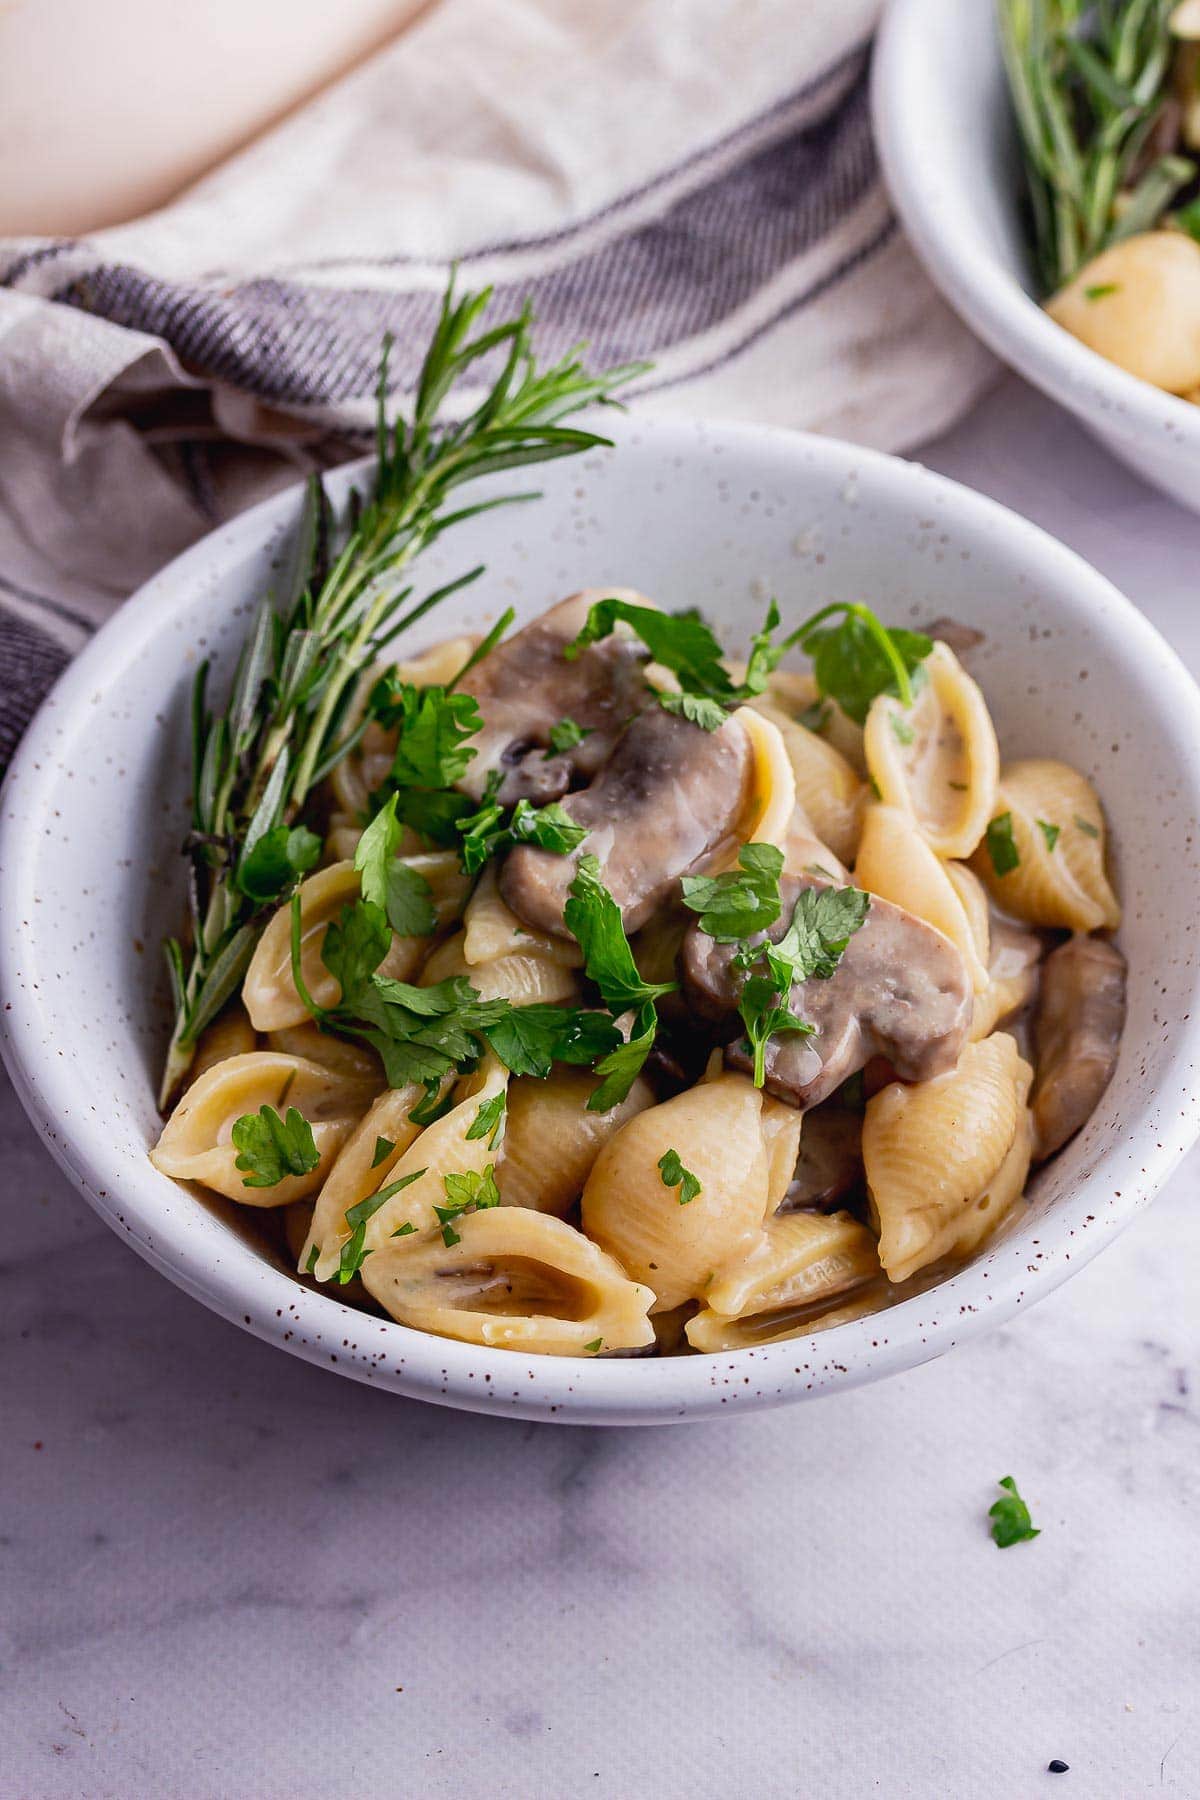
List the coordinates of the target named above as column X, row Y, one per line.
column 692, row 185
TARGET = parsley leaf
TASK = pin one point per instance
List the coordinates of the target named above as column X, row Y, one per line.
column 354, row 945
column 399, row 890
column 681, row 642
column 565, row 735
column 434, row 727
column 1087, row 828
column 622, row 1066
column 277, row 861
column 383, row 1149
column 733, row 905
column 860, row 658
column 1049, row 832
column 488, row 833
column 823, row 922
column 354, row 1252
column 594, row 920
column 1011, row 1523
column 1001, row 846
column 673, row 1173
column 709, row 715
column 596, row 1344
column 462, row 1193
column 529, row 1039
column 489, row 1120
column 765, row 1014
column 272, row 1148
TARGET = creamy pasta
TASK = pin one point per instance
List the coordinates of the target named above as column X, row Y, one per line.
column 615, row 998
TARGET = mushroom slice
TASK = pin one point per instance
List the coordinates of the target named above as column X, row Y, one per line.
column 829, row 1166
column 197, row 1140
column 669, row 801
column 526, row 686
column 1078, row 1035
column 513, row 1279
column 900, row 990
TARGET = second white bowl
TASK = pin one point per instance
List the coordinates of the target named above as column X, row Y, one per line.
column 950, row 156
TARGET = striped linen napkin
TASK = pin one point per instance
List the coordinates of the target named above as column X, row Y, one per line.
column 694, row 185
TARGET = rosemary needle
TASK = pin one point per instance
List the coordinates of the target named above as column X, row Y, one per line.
column 286, row 722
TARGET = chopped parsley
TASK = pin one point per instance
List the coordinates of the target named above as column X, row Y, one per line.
column 530, row 1039
column 1100, row 289
column 741, row 901
column 823, row 922
column 596, row 1344
column 489, row 1120
column 565, row 736
column 697, row 709
column 1001, row 846
column 1011, row 1523
column 464, row 1193
column 271, row 865
column 271, row 1148
column 1049, row 832
column 434, row 727
column 1086, row 826
column 594, row 919
column 673, row 1173
column 383, row 1149
column 354, row 1254
column 400, row 892
column 492, row 830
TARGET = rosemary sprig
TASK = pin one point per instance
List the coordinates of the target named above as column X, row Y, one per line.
column 1088, row 81
column 286, row 722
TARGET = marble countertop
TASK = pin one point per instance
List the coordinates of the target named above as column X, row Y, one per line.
column 227, row 1573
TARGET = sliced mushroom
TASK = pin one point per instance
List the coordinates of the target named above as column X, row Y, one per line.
column 526, row 686
column 1078, row 1034
column 957, row 637
column 667, row 802
column 901, row 990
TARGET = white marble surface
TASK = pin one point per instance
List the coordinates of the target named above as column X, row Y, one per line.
column 226, row 1573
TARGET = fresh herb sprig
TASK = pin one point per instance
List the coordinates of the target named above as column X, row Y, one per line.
column 1088, row 86
column 822, row 924
column 287, row 720
column 1011, row 1523
column 594, row 919
column 271, row 1148
column 855, row 656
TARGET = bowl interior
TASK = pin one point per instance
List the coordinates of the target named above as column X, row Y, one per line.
column 95, row 809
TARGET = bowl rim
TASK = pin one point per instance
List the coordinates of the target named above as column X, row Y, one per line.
column 996, row 306
column 276, row 1307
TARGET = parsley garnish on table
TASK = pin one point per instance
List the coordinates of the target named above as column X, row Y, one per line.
column 288, row 718
column 1011, row 1523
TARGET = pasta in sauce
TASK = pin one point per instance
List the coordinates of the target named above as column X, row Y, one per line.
column 699, row 1005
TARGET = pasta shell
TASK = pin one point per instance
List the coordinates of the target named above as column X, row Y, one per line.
column 515, row 1280
column 716, row 1128
column 270, row 993
column 356, row 1175
column 352, row 1061
column 1013, row 974
column 441, row 1149
column 1065, row 885
column 492, row 930
column 772, row 799
column 937, row 760
column 711, row 1332
column 801, row 1262
column 196, row 1142
column 896, row 863
column 551, row 1140
column 524, row 976
column 828, row 790
column 229, row 1035
column 781, row 1126
column 933, row 1151
column 798, row 696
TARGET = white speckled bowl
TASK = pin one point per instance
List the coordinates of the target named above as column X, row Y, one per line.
column 94, row 811
column 949, row 153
